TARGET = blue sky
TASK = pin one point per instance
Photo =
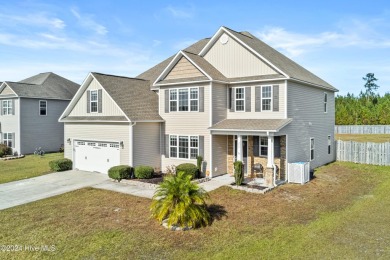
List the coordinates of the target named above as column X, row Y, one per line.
column 340, row 41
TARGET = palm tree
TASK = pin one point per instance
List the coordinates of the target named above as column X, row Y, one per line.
column 181, row 202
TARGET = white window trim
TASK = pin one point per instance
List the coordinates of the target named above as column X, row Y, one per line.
column 325, row 102
column 312, row 148
column 261, row 98
column 9, row 108
column 6, row 140
column 39, row 112
column 97, row 101
column 178, row 146
column 263, row 155
column 329, row 144
column 235, row 99
column 177, row 99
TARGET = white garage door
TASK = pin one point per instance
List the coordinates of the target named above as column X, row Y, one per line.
column 95, row 156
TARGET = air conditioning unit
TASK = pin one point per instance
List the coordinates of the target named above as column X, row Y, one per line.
column 299, row 172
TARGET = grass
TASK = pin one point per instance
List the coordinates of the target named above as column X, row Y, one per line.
column 27, row 167
column 375, row 138
column 342, row 213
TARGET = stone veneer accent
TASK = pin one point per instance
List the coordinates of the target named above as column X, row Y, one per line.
column 280, row 162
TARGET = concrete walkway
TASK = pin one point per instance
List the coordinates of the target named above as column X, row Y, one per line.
column 46, row 186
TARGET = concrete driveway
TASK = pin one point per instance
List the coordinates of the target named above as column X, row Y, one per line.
column 28, row 190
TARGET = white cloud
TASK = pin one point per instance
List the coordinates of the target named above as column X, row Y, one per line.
column 350, row 33
column 87, row 21
column 180, row 12
column 37, row 19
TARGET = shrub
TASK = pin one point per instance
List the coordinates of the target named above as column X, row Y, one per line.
column 143, row 172
column 5, row 150
column 188, row 168
column 181, row 202
column 199, row 161
column 238, row 172
column 61, row 165
column 119, row 172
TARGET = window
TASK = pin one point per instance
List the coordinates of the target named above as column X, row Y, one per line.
column 240, row 99
column 7, row 139
column 94, row 101
column 325, row 102
column 185, row 147
column 42, row 108
column 266, row 98
column 263, row 146
column 184, row 99
column 311, row 149
column 329, row 144
column 7, row 107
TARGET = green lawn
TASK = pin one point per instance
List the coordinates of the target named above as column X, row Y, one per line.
column 343, row 213
column 375, row 138
column 27, row 167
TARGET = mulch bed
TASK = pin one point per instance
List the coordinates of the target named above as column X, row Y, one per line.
column 251, row 186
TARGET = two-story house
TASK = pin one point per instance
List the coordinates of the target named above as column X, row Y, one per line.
column 230, row 97
column 29, row 111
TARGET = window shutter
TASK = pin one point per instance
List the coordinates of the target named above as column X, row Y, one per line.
column 167, row 101
column 277, row 146
column 248, row 99
column 256, row 147
column 257, row 99
column 13, row 106
column 13, row 140
column 1, row 107
column 88, row 101
column 201, row 99
column 100, row 103
column 232, row 100
column 167, row 152
column 275, row 98
column 201, row 146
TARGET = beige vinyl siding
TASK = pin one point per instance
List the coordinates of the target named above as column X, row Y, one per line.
column 233, row 60
column 219, row 155
column 7, row 91
column 263, row 114
column 306, row 108
column 41, row 131
column 146, row 145
column 219, row 94
column 187, row 123
column 10, row 123
column 110, row 108
column 114, row 132
column 183, row 69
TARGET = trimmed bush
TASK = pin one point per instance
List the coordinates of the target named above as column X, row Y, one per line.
column 5, row 150
column 188, row 168
column 61, row 165
column 238, row 172
column 143, row 172
column 119, row 172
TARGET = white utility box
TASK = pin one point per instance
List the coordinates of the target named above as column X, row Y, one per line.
column 299, row 172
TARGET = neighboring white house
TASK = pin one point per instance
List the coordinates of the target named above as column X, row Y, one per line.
column 230, row 97
column 30, row 109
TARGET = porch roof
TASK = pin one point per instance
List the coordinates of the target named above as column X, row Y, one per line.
column 253, row 125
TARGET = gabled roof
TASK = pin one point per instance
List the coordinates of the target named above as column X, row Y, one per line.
column 132, row 95
column 45, row 85
column 287, row 68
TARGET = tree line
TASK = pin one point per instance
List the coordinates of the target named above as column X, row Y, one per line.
column 367, row 108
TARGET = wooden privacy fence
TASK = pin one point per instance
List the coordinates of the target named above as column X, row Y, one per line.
column 362, row 129
column 369, row 153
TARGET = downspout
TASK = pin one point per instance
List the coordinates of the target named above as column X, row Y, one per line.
column 131, row 145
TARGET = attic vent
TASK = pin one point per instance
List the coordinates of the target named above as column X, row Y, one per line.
column 224, row 39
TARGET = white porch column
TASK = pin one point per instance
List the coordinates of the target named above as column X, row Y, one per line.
column 270, row 156
column 239, row 148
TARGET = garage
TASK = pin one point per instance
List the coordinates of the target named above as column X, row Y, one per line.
column 95, row 156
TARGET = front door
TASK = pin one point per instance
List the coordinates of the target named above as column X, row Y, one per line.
column 244, row 151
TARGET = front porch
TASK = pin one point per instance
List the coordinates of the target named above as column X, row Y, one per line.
column 263, row 157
